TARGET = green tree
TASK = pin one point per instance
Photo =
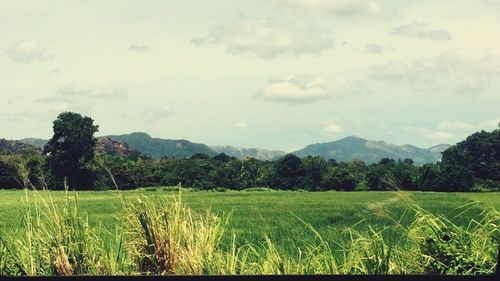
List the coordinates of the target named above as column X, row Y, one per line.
column 71, row 148
column 358, row 169
column 456, row 178
column 380, row 176
column 8, row 173
column 405, row 174
column 339, row 178
column 199, row 156
column 315, row 167
column 429, row 177
column 479, row 153
column 441, row 177
column 289, row 173
column 223, row 157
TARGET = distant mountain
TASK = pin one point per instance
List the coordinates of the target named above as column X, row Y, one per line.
column 111, row 147
column 353, row 147
column 345, row 149
column 17, row 147
column 35, row 142
column 437, row 149
column 104, row 145
column 242, row 153
column 157, row 148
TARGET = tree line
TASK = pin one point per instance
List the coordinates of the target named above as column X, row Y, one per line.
column 473, row 164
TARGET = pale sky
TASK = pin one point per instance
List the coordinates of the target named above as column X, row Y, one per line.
column 275, row 74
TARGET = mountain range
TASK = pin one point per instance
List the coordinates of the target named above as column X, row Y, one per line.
column 353, row 147
column 345, row 149
column 242, row 153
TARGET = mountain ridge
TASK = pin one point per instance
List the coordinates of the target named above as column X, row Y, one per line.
column 344, row 149
column 353, row 147
column 242, row 152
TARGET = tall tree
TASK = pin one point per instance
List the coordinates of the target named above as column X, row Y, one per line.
column 479, row 153
column 71, row 148
column 289, row 173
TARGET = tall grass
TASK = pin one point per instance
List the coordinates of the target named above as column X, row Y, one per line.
column 170, row 238
column 56, row 239
column 159, row 237
column 164, row 238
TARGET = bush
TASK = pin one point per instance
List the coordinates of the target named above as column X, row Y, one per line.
column 486, row 185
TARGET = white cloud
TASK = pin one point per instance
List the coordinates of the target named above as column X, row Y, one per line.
column 28, row 51
column 61, row 106
column 269, row 38
column 71, row 91
column 439, row 136
column 451, row 131
column 372, row 48
column 454, row 71
column 292, row 147
column 297, row 88
column 432, row 135
column 241, row 125
column 390, row 71
column 454, row 125
column 336, row 7
column 304, row 88
column 153, row 114
column 71, row 97
column 332, row 130
column 467, row 127
column 139, row 48
column 421, row 30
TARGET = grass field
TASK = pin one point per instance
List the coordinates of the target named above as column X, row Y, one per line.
column 278, row 215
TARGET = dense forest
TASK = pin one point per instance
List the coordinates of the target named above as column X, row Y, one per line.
column 470, row 165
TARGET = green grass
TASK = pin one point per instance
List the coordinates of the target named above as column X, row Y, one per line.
column 255, row 214
column 279, row 223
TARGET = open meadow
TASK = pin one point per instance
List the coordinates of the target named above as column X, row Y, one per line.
column 289, row 220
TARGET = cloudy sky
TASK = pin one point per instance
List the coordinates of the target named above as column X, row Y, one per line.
column 276, row 74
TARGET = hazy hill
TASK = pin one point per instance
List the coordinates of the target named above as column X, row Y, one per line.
column 104, row 145
column 17, row 147
column 345, row 149
column 140, row 143
column 353, row 147
column 111, row 147
column 437, row 149
column 35, row 142
column 242, row 153
column 157, row 148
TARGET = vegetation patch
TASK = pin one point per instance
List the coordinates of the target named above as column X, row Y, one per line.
column 165, row 236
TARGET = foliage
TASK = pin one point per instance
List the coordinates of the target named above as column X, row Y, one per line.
column 339, row 178
column 479, row 153
column 71, row 148
column 205, row 172
column 289, row 173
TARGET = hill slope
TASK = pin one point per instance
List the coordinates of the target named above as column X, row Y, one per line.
column 35, row 142
column 157, row 148
column 18, row 147
column 345, row 149
column 242, row 153
column 111, row 147
column 353, row 147
column 104, row 145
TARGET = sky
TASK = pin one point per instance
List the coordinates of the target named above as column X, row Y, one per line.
column 274, row 74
